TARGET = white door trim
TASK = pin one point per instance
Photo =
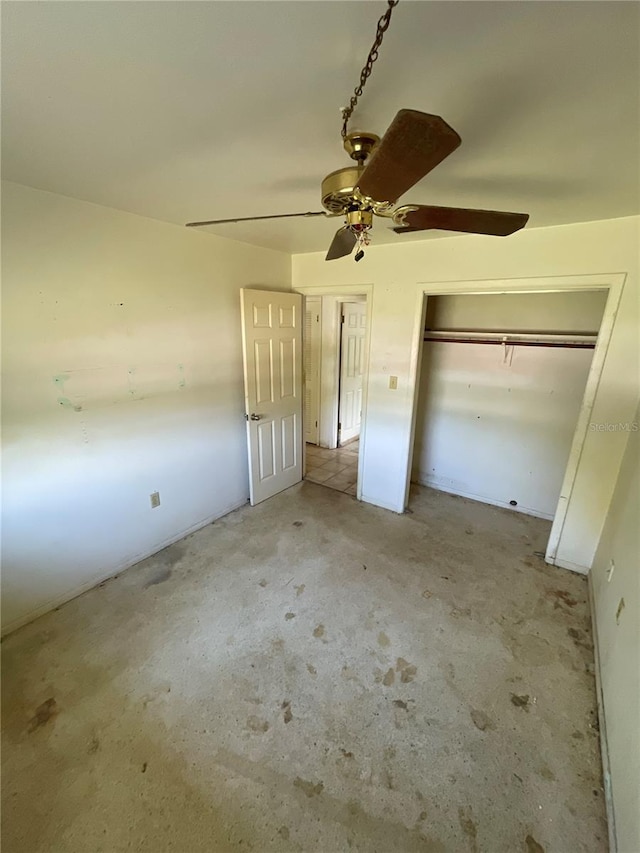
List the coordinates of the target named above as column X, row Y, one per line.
column 311, row 376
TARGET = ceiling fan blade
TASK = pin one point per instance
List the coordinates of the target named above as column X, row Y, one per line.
column 413, row 145
column 427, row 217
column 254, row 218
column 342, row 244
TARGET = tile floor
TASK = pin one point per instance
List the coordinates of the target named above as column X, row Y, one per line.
column 337, row 468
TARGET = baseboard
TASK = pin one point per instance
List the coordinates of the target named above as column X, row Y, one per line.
column 350, row 441
column 382, row 504
column 105, row 574
column 439, row 487
column 573, row 567
column 604, row 747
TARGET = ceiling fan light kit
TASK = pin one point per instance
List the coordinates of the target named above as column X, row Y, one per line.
column 384, row 169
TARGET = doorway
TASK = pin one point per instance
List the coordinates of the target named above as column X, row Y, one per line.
column 335, row 369
column 353, row 327
column 501, row 390
column 335, row 468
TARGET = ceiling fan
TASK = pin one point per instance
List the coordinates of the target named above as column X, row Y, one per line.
column 414, row 144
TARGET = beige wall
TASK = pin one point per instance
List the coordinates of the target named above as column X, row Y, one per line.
column 592, row 251
column 619, row 642
column 122, row 376
column 546, row 313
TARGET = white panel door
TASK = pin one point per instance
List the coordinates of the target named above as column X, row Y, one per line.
column 354, row 330
column 272, row 351
column 312, row 337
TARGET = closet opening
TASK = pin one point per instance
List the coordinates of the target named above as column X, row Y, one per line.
column 500, row 389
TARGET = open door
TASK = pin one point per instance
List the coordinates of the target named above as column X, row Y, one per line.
column 354, row 332
column 272, row 353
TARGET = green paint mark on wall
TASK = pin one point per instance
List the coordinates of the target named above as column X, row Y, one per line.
column 67, row 404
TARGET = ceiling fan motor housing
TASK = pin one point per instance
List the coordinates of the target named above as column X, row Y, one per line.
column 341, row 194
column 338, row 189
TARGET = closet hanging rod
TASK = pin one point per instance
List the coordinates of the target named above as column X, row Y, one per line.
column 517, row 340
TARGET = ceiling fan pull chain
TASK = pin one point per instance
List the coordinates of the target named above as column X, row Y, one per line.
column 383, row 26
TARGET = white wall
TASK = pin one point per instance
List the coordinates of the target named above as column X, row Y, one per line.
column 122, row 375
column 401, row 273
column 619, row 642
column 497, row 424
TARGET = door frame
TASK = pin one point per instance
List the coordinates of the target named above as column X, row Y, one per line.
column 613, row 283
column 305, row 375
column 329, row 402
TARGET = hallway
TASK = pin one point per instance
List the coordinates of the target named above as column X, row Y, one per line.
column 337, row 469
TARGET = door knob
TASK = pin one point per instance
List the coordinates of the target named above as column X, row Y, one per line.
column 255, row 417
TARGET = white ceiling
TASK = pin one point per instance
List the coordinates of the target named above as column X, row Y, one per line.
column 200, row 110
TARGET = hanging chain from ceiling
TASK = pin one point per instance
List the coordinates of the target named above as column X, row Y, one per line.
column 383, row 26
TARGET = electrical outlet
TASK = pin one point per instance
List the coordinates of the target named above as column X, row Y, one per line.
column 155, row 499
column 610, row 571
column 393, row 382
